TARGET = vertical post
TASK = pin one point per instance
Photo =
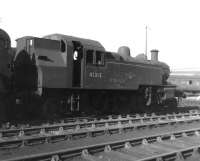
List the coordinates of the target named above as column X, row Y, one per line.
column 146, row 42
column 78, row 101
column 71, row 102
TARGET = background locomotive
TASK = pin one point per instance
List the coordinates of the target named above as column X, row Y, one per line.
column 6, row 56
column 60, row 74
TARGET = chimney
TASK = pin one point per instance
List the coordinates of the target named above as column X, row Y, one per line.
column 154, row 55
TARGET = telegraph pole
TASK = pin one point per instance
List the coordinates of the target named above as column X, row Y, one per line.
column 146, row 41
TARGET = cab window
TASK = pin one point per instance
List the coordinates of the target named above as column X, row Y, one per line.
column 99, row 58
column 47, row 44
column 94, row 58
column 89, row 57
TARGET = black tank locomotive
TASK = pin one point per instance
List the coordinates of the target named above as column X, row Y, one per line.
column 60, row 74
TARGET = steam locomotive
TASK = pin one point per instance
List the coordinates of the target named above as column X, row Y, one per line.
column 59, row 75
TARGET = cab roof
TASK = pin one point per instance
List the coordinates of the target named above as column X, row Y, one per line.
column 84, row 42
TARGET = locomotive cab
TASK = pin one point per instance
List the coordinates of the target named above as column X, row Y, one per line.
column 59, row 63
column 48, row 57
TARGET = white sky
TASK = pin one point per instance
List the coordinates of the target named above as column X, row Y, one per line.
column 174, row 25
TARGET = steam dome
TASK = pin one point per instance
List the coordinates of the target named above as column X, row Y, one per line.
column 124, row 51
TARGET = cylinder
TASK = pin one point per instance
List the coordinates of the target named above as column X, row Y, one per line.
column 154, row 55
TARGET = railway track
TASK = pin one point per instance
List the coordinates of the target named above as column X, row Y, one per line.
column 50, row 134
column 81, row 123
column 176, row 145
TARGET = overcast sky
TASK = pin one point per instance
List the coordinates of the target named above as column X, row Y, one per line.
column 174, row 25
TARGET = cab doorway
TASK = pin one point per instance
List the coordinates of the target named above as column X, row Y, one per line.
column 77, row 59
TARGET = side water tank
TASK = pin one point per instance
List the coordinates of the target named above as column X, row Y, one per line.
column 124, row 52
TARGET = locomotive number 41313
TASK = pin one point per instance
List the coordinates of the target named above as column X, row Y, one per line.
column 95, row 75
